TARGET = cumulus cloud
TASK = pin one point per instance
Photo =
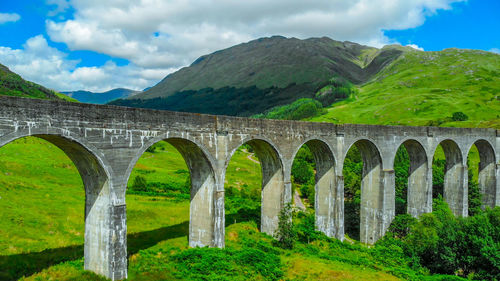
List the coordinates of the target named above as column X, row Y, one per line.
column 416, row 47
column 40, row 63
column 160, row 36
column 172, row 33
column 6, row 17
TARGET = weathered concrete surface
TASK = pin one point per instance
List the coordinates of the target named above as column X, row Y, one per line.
column 105, row 142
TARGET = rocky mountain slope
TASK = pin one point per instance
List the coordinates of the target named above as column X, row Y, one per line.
column 252, row 77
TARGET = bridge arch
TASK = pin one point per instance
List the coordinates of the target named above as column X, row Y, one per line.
column 419, row 192
column 376, row 210
column 487, row 180
column 455, row 191
column 327, row 200
column 203, row 214
column 274, row 191
column 96, row 178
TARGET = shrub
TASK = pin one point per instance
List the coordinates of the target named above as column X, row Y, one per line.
column 401, row 225
column 140, row 183
column 305, row 228
column 459, row 116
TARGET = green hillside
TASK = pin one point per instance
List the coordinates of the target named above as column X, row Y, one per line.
column 12, row 84
column 425, row 88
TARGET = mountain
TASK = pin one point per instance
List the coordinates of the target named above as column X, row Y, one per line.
column 11, row 84
column 101, row 98
column 252, row 77
column 394, row 84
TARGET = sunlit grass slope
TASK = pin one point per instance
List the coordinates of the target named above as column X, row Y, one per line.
column 422, row 88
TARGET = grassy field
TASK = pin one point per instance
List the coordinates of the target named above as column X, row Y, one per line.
column 41, row 230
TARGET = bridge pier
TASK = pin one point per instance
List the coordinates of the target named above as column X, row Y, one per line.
column 273, row 195
column 326, row 199
column 419, row 180
column 487, row 175
column 455, row 191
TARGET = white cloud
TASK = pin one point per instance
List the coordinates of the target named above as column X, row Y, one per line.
column 9, row 17
column 173, row 33
column 160, row 36
column 40, row 63
column 494, row 50
column 416, row 47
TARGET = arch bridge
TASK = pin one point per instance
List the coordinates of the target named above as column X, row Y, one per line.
column 105, row 142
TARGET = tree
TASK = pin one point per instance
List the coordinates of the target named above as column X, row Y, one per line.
column 302, row 171
column 285, row 234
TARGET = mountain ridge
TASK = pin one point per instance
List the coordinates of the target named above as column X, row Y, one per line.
column 100, row 98
column 274, row 61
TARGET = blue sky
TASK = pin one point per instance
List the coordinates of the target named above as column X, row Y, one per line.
column 98, row 45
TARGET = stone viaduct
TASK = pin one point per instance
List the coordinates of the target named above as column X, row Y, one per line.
column 105, row 142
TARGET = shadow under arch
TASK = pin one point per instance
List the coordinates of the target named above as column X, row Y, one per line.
column 95, row 178
column 419, row 197
column 203, row 214
column 455, row 188
column 487, row 180
column 327, row 201
column 273, row 192
column 374, row 218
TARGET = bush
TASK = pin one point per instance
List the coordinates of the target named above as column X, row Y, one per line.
column 305, row 228
column 228, row 264
column 401, row 225
column 469, row 247
column 140, row 183
column 459, row 116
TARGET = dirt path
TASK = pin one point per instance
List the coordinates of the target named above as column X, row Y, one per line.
column 250, row 156
column 298, row 202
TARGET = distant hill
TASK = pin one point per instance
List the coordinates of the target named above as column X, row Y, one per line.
column 426, row 88
column 11, row 84
column 252, row 77
column 101, row 98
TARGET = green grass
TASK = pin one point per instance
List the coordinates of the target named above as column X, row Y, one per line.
column 421, row 87
column 41, row 231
